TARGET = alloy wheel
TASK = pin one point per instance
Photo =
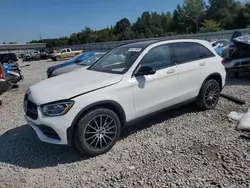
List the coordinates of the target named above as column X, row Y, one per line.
column 212, row 94
column 100, row 132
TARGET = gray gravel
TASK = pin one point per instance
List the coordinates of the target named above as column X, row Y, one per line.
column 177, row 148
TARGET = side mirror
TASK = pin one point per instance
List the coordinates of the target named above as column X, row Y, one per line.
column 145, row 71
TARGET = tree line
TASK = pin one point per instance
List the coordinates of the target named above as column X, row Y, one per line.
column 193, row 16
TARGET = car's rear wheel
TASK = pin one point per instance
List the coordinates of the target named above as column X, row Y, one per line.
column 209, row 95
column 97, row 132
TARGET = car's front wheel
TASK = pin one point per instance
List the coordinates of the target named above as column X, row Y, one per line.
column 58, row 58
column 97, row 132
column 209, row 95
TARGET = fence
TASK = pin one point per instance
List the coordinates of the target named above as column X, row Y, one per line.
column 105, row 46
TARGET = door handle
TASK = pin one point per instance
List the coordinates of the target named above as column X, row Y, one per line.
column 202, row 63
column 171, row 71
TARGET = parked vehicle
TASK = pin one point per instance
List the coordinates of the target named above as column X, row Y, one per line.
column 8, row 58
column 44, row 55
column 70, row 62
column 4, row 84
column 221, row 46
column 238, row 58
column 27, row 57
column 237, row 34
column 236, row 66
column 12, row 73
column 81, row 64
column 20, row 56
column 64, row 53
column 89, row 107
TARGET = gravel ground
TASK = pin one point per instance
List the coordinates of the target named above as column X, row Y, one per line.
column 177, row 148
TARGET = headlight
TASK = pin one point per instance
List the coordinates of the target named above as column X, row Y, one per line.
column 57, row 109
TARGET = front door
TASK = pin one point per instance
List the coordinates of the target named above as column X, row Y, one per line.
column 158, row 91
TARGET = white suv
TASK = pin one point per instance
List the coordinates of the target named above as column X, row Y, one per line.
column 88, row 108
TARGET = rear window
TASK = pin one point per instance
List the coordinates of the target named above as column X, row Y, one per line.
column 185, row 52
column 204, row 52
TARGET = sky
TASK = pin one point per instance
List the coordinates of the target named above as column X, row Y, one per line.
column 25, row 20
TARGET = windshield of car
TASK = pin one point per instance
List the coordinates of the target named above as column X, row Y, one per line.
column 89, row 61
column 117, row 61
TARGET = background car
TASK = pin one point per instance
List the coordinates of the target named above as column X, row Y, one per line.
column 70, row 62
column 4, row 84
column 82, row 64
column 221, row 46
column 8, row 58
column 64, row 53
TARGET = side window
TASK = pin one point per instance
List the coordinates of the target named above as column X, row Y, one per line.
column 204, row 52
column 63, row 51
column 185, row 52
column 158, row 58
column 68, row 50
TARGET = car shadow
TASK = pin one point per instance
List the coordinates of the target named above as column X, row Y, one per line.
column 158, row 118
column 21, row 146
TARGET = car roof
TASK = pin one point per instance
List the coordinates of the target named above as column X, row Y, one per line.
column 142, row 44
column 145, row 44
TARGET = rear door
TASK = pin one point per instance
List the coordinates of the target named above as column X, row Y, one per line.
column 193, row 68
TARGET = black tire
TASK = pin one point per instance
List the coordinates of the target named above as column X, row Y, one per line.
column 58, row 58
column 90, row 123
column 206, row 99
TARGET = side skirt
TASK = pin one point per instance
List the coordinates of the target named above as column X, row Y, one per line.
column 159, row 111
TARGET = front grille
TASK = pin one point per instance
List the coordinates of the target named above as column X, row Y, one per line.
column 32, row 110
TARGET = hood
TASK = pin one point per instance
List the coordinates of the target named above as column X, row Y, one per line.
column 55, row 67
column 67, row 69
column 71, row 84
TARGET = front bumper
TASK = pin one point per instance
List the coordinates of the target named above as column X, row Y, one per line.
column 52, row 130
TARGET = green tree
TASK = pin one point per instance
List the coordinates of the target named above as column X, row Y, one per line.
column 123, row 30
column 192, row 11
column 243, row 18
column 181, row 23
column 167, row 22
column 210, row 26
column 224, row 12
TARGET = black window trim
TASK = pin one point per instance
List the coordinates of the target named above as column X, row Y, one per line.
column 171, row 53
column 194, row 43
column 212, row 54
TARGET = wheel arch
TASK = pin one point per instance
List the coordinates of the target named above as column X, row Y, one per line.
column 109, row 104
column 214, row 76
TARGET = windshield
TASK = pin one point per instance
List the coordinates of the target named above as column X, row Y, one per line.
column 89, row 61
column 117, row 61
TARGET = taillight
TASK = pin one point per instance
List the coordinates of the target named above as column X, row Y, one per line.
column 223, row 61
